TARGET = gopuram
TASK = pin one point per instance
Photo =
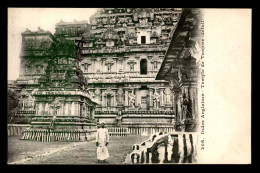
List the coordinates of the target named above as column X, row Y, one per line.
column 107, row 70
column 121, row 55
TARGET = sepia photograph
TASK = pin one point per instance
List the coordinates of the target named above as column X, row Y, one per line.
column 117, row 86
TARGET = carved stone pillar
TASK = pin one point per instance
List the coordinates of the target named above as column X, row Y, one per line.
column 40, row 108
column 66, row 109
column 103, row 99
column 114, row 99
column 188, row 83
column 72, row 109
column 75, row 109
column 151, row 97
column 126, row 97
column 161, row 97
column 137, row 97
column 120, row 97
column 69, row 108
column 177, row 104
column 120, row 65
column 194, row 101
column 43, row 108
column 98, row 64
column 78, row 109
column 93, row 64
column 92, row 113
column 47, row 112
column 63, row 109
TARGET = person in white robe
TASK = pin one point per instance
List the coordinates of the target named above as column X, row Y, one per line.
column 102, row 139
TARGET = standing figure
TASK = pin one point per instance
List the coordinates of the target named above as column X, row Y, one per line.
column 102, row 139
column 52, row 123
column 156, row 99
column 119, row 118
column 132, row 99
column 186, row 108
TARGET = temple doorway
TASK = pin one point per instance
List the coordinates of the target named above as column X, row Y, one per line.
column 143, row 66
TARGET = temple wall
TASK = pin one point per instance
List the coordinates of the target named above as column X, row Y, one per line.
column 134, row 97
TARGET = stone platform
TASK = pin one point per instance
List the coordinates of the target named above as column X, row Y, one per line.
column 46, row 129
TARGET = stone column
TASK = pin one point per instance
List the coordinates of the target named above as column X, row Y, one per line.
column 137, row 96
column 66, row 109
column 37, row 110
column 86, row 110
column 103, row 99
column 78, row 109
column 101, row 66
column 194, row 103
column 187, row 94
column 162, row 96
column 47, row 112
column 75, row 108
column 72, row 109
column 40, row 108
column 43, row 108
column 93, row 113
column 151, row 97
column 115, row 68
column 98, row 64
column 177, row 104
column 190, row 89
column 126, row 96
column 63, row 109
column 120, row 65
column 93, row 65
column 69, row 108
column 59, row 110
column 114, row 98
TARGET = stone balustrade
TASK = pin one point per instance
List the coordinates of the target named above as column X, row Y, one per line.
column 163, row 147
column 16, row 129
column 61, row 119
column 118, row 131
column 26, row 112
column 44, row 135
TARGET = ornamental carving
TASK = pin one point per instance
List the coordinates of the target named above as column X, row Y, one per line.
column 156, row 100
column 109, row 92
column 110, row 34
column 131, row 97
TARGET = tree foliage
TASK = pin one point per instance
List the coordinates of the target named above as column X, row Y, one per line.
column 12, row 100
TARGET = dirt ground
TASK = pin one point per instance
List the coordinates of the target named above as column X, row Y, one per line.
column 75, row 153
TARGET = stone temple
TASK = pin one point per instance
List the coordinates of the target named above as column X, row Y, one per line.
column 129, row 67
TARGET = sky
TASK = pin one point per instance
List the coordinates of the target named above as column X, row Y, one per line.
column 21, row 18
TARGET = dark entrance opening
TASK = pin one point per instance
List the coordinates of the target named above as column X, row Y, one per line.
column 143, row 39
column 108, row 100
column 143, row 87
column 143, row 66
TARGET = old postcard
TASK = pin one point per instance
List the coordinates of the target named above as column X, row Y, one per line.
column 125, row 86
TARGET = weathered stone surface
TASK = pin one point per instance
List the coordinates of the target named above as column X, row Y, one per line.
column 113, row 61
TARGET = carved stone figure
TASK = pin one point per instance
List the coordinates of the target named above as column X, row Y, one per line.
column 185, row 104
column 156, row 100
column 119, row 118
column 120, row 96
column 132, row 99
